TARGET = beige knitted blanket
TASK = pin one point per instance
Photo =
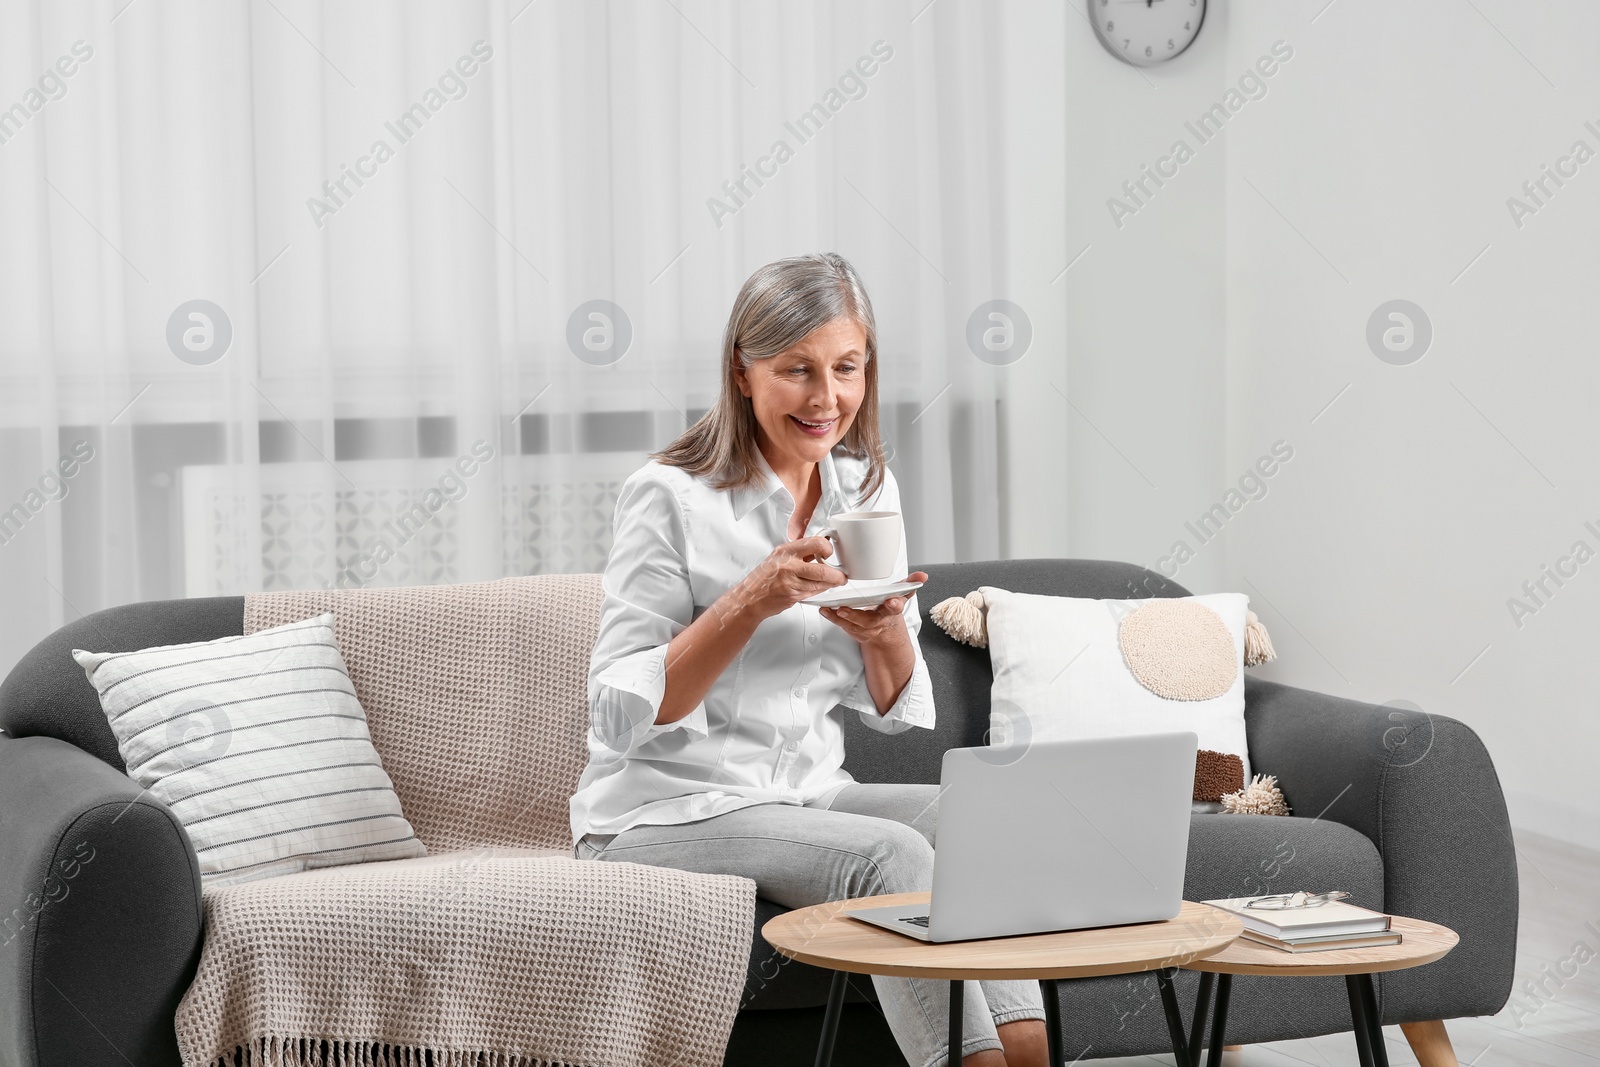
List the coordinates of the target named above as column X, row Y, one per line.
column 498, row 948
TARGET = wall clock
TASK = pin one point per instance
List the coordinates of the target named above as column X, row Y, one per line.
column 1146, row 32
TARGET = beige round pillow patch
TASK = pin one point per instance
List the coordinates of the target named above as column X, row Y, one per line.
column 1179, row 650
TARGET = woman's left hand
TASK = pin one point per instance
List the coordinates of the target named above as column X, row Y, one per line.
column 872, row 626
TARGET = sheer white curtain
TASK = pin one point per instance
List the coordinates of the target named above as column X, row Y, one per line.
column 402, row 214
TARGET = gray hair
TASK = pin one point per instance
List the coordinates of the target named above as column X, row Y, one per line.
column 776, row 308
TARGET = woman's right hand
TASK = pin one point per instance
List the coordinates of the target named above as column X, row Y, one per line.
column 791, row 573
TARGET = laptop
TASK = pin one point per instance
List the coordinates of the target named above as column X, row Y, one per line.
column 1067, row 836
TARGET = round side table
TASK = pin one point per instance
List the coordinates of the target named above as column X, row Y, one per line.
column 1420, row 942
column 822, row 935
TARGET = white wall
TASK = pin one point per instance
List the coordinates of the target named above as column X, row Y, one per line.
column 1418, row 504
column 1132, row 334
column 1375, row 163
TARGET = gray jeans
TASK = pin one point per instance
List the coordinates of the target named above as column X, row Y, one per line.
column 871, row 839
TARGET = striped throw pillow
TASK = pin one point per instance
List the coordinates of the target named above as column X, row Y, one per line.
column 260, row 748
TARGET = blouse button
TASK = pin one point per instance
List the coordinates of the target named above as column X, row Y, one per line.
column 812, row 639
column 799, row 691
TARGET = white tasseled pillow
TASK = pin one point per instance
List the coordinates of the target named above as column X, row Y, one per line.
column 1068, row 668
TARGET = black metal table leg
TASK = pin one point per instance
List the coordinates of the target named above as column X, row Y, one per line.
column 1051, row 994
column 957, row 991
column 1358, row 1017
column 1169, row 1004
column 830, row 1019
column 1369, row 1006
column 1202, row 1005
column 1219, row 1019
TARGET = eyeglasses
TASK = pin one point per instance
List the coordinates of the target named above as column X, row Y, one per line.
column 1285, row 901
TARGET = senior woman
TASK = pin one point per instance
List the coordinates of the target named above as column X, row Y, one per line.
column 716, row 695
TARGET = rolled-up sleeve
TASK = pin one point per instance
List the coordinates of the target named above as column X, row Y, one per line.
column 914, row 705
column 648, row 600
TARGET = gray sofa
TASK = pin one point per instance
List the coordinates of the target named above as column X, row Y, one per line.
column 101, row 887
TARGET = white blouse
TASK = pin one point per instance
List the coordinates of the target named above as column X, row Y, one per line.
column 770, row 728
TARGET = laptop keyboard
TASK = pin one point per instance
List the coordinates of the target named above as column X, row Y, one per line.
column 916, row 920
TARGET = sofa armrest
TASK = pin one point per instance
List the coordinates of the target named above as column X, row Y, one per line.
column 100, row 917
column 1423, row 789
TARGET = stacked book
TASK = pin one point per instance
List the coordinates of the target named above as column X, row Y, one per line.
column 1319, row 929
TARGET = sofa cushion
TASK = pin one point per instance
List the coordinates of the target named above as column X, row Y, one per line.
column 1229, row 855
column 1242, row 855
column 259, row 746
column 961, row 674
column 1071, row 668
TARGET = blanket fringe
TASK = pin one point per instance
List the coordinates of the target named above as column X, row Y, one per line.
column 278, row 1051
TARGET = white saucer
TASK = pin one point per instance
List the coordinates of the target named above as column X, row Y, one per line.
column 860, row 594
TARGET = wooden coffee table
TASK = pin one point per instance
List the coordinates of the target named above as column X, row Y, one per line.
column 1420, row 942
column 822, row 936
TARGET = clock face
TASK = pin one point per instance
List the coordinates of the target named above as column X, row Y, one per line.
column 1146, row 32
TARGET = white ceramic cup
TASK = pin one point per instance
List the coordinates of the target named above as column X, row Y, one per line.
column 867, row 543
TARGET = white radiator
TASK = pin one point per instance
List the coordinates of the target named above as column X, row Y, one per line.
column 302, row 525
